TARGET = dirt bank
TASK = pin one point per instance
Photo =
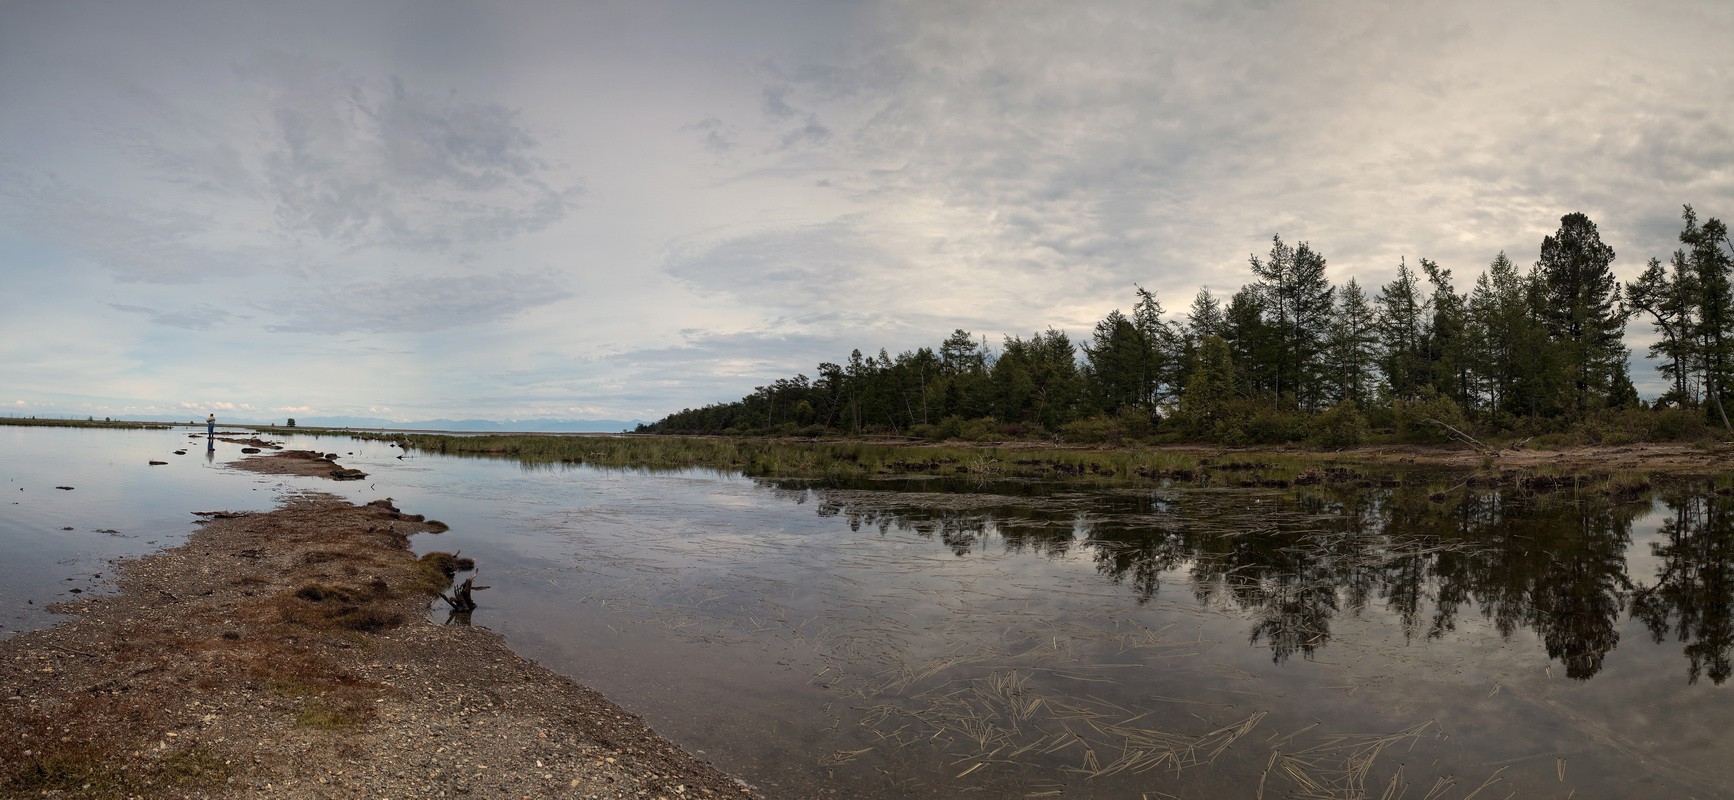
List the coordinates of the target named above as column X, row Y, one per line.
column 1669, row 458
column 287, row 654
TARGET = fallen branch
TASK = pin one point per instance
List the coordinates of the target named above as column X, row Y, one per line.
column 1464, row 436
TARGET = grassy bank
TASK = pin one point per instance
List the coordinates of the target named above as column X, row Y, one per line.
column 82, row 423
column 784, row 458
column 1436, row 473
column 1439, row 469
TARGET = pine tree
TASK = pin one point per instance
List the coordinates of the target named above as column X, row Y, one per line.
column 1297, row 301
column 1252, row 343
column 1581, row 309
column 1203, row 318
column 1115, row 362
column 1209, row 388
column 1351, row 350
column 1713, row 336
column 1507, row 344
column 1445, row 345
column 1666, row 296
column 1160, row 351
column 1399, row 322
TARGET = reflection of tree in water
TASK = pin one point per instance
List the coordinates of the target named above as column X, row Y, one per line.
column 1693, row 594
column 961, row 530
column 1554, row 565
column 1290, row 588
column 1578, row 600
column 1138, row 558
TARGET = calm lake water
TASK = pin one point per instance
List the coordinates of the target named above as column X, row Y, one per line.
column 934, row 640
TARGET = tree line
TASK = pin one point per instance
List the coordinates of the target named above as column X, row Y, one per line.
column 1290, row 356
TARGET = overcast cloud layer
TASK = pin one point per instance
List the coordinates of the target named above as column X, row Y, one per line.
column 616, row 210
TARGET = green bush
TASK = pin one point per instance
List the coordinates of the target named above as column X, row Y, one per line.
column 922, row 430
column 1417, row 420
column 1342, row 425
column 1628, row 425
column 1099, row 429
column 979, row 430
column 1267, row 425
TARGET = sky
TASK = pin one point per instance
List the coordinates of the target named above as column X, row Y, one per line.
column 615, row 210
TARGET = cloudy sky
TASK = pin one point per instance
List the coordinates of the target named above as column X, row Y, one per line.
column 619, row 209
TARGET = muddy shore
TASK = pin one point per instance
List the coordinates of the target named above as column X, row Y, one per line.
column 288, row 654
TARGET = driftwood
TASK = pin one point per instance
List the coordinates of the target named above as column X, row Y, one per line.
column 1464, row 436
column 460, row 599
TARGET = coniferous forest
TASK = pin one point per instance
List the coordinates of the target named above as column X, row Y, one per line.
column 1292, row 358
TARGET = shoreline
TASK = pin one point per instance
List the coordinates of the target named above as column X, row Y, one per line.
column 288, row 654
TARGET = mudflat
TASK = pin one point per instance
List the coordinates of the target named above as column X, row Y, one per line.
column 289, row 654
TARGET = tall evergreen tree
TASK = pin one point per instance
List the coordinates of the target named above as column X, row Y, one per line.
column 1209, row 388
column 1160, row 350
column 1116, row 361
column 1203, row 318
column 1252, row 343
column 1400, row 325
column 1297, row 299
column 1508, row 346
column 1036, row 380
column 1665, row 295
column 1445, row 342
column 1582, row 311
column 1709, row 249
column 1352, row 347
column 963, row 390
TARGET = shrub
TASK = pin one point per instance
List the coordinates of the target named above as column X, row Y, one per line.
column 1099, row 429
column 922, row 430
column 1342, row 425
column 1417, row 420
column 979, row 430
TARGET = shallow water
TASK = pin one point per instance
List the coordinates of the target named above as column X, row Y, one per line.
column 1022, row 640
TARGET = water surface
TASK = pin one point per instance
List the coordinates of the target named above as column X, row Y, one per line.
column 909, row 639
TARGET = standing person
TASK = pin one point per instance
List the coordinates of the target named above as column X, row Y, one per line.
column 210, row 426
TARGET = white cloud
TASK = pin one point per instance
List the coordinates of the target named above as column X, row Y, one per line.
column 527, row 199
column 415, row 304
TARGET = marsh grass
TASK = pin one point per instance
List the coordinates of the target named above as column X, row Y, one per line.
column 82, row 423
column 854, row 460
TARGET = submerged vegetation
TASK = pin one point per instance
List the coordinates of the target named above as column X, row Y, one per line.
column 1290, row 358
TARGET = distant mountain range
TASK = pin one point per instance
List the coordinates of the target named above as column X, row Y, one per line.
column 538, row 425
